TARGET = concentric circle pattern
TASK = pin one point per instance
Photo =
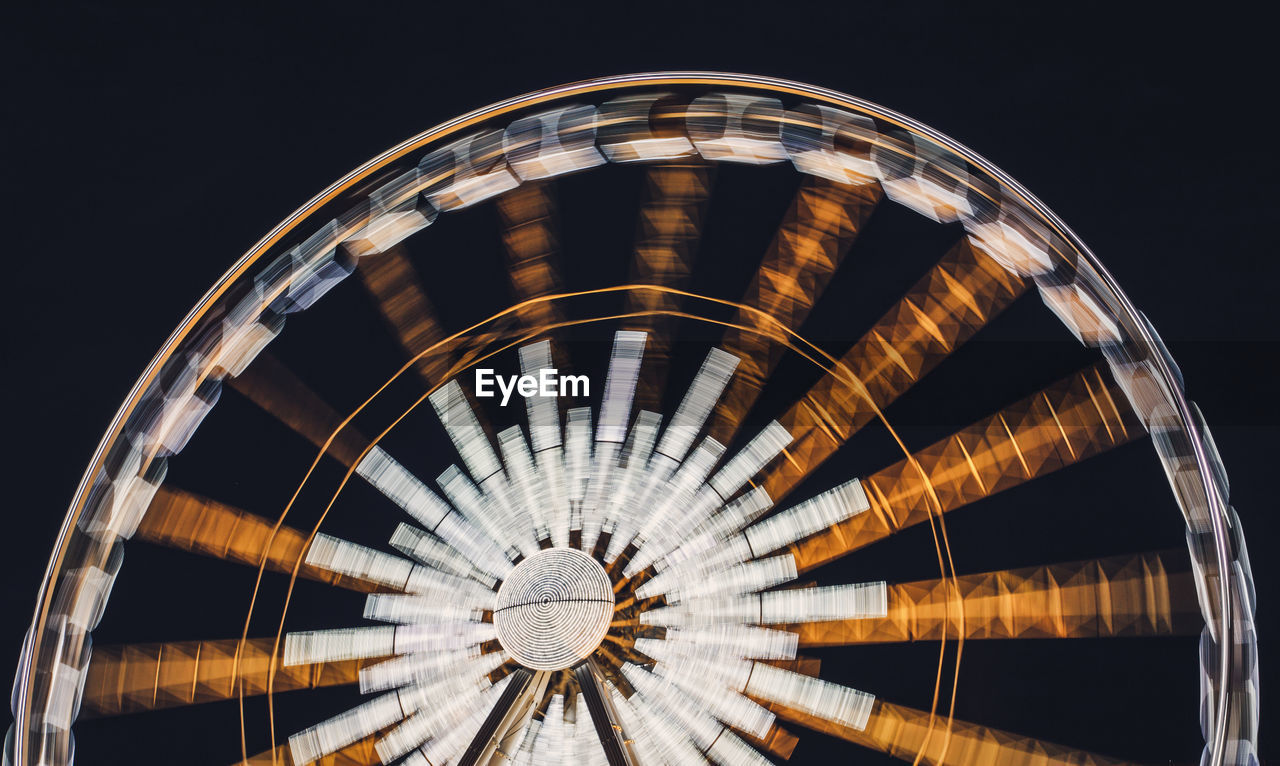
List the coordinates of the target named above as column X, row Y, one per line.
column 554, row 609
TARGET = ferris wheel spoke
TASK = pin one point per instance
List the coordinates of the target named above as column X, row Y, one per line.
column 435, row 515
column 909, row 734
column 787, row 607
column 732, row 709
column 498, row 519
column 373, row 641
column 1073, row 419
column 497, row 510
column 643, row 741
column 452, row 742
column 960, row 295
column 814, row 237
column 661, row 740
column 1116, row 596
column 393, row 283
column 631, row 482
column 433, row 704
column 526, row 485
column 418, row 668
column 453, row 593
column 424, row 547
column 137, row 677
column 774, row 686
column 679, row 712
column 545, row 480
column 433, row 707
column 529, row 236
column 706, row 673
column 272, row 386
column 611, row 433
column 716, row 545
column 667, row 236
column 714, row 541
column 669, row 495
column 281, row 394
column 712, row 495
column 185, row 521
column 347, row 728
column 629, row 515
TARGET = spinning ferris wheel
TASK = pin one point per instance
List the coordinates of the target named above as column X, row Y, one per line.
column 668, row 555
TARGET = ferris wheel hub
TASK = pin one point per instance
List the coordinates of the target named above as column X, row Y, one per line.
column 554, row 609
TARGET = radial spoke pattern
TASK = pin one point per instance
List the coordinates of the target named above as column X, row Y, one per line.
column 699, row 658
column 439, row 621
column 942, row 311
column 675, row 637
column 701, row 655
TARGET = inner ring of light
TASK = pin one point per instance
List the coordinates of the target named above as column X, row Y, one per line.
column 554, row 609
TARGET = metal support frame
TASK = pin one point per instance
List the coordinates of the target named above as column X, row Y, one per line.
column 616, row 747
column 509, row 715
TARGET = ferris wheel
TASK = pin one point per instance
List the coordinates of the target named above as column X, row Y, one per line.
column 606, row 431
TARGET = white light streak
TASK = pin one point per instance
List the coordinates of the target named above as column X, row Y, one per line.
column 808, row 518
column 336, row 733
column 707, row 387
column 430, row 550
column 344, row 557
column 739, row 641
column 821, row 699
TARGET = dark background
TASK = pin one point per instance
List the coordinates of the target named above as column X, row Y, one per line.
column 146, row 149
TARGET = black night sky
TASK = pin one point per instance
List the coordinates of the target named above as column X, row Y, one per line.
column 146, row 148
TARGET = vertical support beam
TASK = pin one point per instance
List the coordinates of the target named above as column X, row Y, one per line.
column 603, row 716
column 509, row 714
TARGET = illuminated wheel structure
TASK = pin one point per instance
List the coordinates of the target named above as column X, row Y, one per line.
column 742, row 286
